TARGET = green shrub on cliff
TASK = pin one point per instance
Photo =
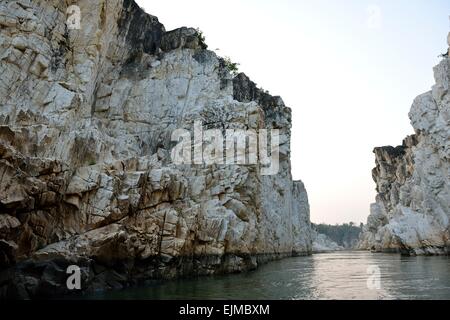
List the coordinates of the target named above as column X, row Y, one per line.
column 201, row 39
column 231, row 66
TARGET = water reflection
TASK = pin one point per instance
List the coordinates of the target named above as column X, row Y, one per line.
column 342, row 275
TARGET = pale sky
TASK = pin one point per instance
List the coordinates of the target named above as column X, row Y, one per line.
column 349, row 69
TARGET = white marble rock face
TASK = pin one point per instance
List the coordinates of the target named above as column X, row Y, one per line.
column 412, row 209
column 323, row 244
column 86, row 177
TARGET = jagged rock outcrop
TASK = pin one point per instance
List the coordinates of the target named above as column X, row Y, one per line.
column 323, row 244
column 86, row 174
column 412, row 210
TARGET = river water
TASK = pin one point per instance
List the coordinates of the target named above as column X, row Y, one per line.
column 340, row 275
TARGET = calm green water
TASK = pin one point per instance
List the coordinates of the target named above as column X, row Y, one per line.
column 342, row 275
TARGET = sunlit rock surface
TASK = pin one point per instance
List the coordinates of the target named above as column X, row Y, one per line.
column 323, row 244
column 86, row 177
column 412, row 209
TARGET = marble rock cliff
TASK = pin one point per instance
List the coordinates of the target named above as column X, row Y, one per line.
column 86, row 176
column 412, row 210
column 323, row 244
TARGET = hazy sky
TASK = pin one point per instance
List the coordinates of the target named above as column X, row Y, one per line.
column 349, row 69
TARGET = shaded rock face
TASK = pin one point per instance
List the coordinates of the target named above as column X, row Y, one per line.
column 86, row 176
column 412, row 210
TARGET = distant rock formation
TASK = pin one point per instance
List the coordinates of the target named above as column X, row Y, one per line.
column 86, row 177
column 323, row 244
column 412, row 210
column 345, row 235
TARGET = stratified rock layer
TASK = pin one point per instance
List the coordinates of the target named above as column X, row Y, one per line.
column 412, row 210
column 86, row 177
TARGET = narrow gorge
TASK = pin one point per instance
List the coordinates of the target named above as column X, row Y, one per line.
column 86, row 177
column 147, row 166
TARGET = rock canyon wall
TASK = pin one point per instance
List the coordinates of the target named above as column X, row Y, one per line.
column 412, row 210
column 86, row 174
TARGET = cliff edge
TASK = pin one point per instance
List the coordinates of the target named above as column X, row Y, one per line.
column 412, row 210
column 86, row 173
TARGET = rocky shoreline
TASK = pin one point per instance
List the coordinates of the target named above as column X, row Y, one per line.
column 40, row 279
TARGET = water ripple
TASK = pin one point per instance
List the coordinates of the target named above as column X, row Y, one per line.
column 337, row 276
